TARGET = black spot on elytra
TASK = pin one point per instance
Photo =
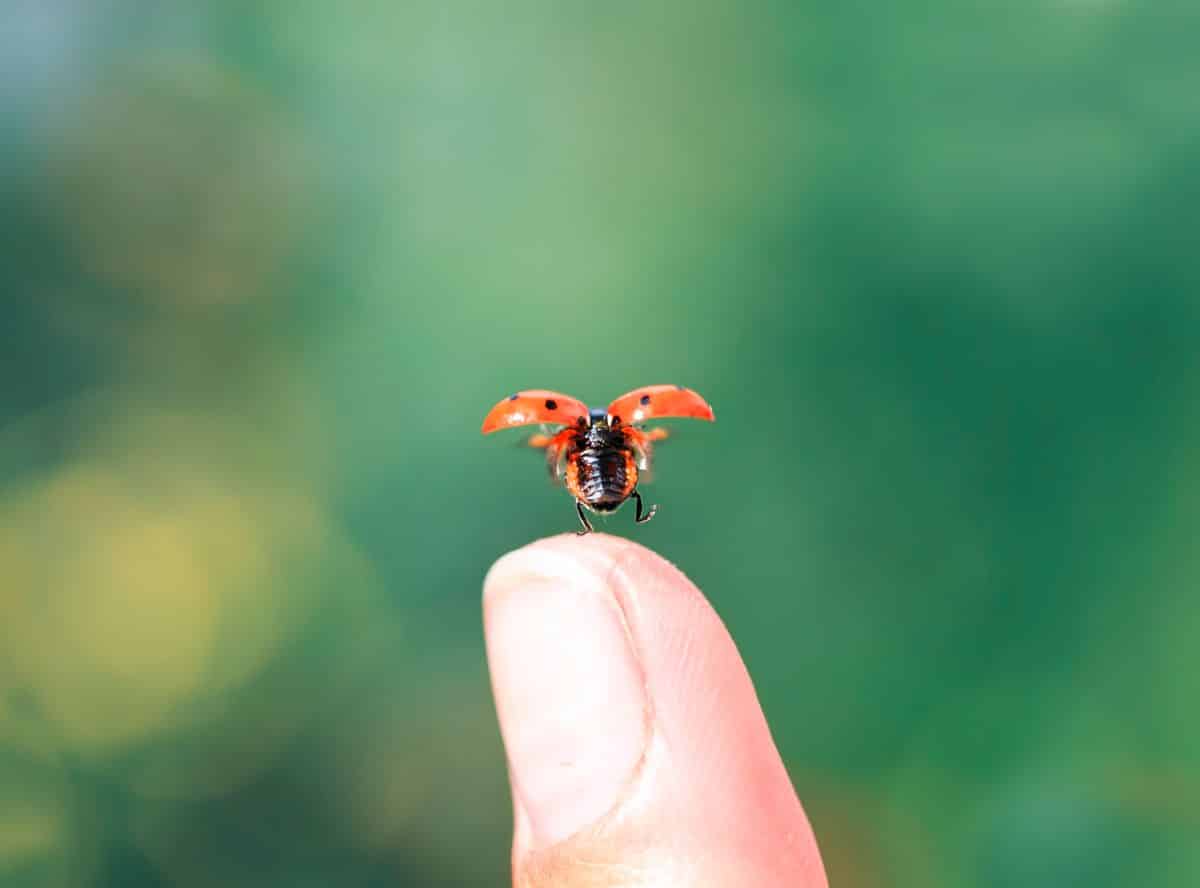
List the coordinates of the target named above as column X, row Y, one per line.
column 645, row 399
column 551, row 404
column 616, row 420
column 512, row 397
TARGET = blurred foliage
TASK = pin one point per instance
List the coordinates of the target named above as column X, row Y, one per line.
column 935, row 264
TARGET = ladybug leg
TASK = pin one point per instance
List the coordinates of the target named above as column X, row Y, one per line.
column 556, row 455
column 583, row 519
column 639, row 442
column 640, row 518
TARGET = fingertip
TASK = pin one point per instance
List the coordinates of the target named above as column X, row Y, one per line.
column 623, row 700
column 570, row 557
column 569, row 688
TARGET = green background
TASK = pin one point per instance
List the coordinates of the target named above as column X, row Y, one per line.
column 935, row 264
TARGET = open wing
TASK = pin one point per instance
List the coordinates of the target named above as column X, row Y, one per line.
column 533, row 407
column 660, row 402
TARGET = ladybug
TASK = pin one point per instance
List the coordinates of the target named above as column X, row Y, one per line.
column 599, row 454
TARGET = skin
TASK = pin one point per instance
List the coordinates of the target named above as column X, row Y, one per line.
column 638, row 753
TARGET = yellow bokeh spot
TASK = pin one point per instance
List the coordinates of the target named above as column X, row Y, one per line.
column 28, row 834
column 124, row 606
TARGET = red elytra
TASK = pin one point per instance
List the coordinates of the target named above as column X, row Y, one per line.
column 599, row 455
column 660, row 402
column 536, row 406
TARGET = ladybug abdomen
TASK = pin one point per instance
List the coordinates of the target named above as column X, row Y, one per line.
column 602, row 478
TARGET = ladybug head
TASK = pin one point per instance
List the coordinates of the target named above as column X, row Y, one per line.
column 601, row 430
